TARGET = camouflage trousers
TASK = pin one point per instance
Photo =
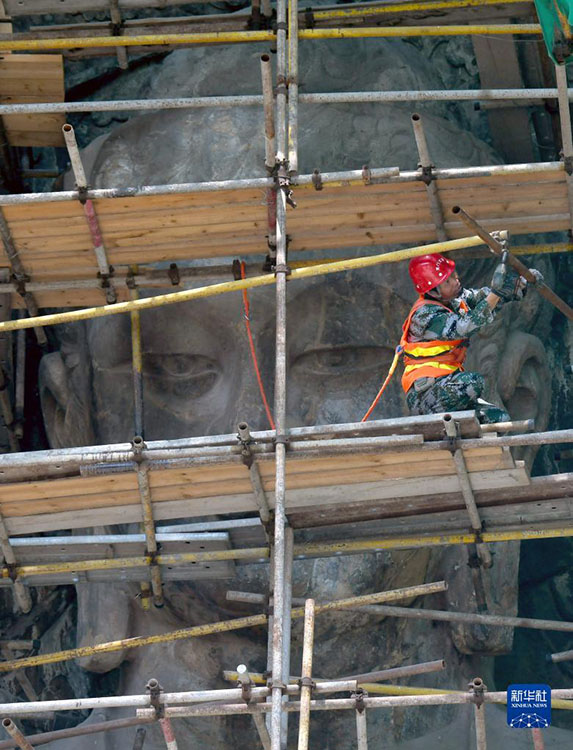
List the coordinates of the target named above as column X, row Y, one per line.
column 456, row 392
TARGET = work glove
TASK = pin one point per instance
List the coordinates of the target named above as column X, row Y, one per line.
column 538, row 277
column 506, row 282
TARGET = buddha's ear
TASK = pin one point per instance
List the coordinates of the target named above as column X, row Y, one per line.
column 64, row 395
column 524, row 381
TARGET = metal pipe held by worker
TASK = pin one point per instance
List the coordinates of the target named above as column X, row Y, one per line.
column 212, row 290
column 516, row 264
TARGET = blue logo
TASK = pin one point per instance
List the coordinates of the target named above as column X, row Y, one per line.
column 528, row 706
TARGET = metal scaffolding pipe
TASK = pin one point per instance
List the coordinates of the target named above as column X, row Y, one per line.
column 361, row 729
column 566, row 134
column 468, row 618
column 44, row 738
column 20, row 276
column 426, row 168
column 279, row 550
column 212, row 290
column 477, row 692
column 360, row 679
column 168, row 734
column 306, row 675
column 377, row 176
column 245, row 37
column 375, row 9
column 149, row 529
column 117, row 23
column 451, row 429
column 16, row 734
column 301, row 552
column 344, row 704
column 537, row 96
column 516, row 264
column 207, row 629
column 561, row 656
column 287, row 622
column 89, row 213
column 292, row 138
column 268, row 107
column 537, row 737
column 246, row 682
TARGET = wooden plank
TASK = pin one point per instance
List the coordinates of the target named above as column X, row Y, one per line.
column 241, row 503
column 32, row 78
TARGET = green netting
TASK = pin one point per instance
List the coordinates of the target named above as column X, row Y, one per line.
column 555, row 17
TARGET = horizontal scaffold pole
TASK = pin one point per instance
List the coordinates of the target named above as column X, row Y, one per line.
column 336, row 179
column 217, row 627
column 301, row 551
column 364, row 9
column 251, row 100
column 245, row 37
column 214, row 290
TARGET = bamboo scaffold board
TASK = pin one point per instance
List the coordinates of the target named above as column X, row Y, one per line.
column 54, row 243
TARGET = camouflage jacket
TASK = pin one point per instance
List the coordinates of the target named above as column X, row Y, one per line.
column 431, row 322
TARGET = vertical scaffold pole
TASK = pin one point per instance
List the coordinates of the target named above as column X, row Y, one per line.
column 306, row 675
column 478, row 688
column 293, row 87
column 289, row 555
column 426, row 166
column 361, row 729
column 270, row 150
column 566, row 134
column 105, row 271
column 280, row 390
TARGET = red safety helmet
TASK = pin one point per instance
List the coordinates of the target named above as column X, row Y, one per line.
column 427, row 271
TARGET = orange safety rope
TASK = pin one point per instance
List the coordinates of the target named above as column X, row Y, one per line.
column 252, row 348
column 397, row 353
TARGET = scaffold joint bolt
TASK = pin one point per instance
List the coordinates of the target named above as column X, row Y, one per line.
column 359, row 696
column 307, row 682
column 317, row 180
column 427, row 173
column 173, row 274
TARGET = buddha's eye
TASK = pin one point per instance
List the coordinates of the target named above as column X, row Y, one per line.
column 189, row 375
column 341, row 361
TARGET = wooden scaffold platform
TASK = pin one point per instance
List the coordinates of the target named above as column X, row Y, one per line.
column 345, row 488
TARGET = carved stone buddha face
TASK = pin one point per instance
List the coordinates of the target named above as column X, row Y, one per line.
column 342, row 331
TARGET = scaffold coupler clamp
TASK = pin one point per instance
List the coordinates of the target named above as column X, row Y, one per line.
column 477, row 688
column 284, row 184
column 154, row 689
column 568, row 164
column 245, row 441
column 20, row 280
column 366, row 175
column 427, row 173
column 451, row 430
column 317, row 179
column 307, row 682
column 359, row 696
column 138, row 446
column 105, row 285
column 281, row 439
column 82, row 194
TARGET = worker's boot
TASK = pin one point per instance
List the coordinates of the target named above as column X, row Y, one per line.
column 488, row 413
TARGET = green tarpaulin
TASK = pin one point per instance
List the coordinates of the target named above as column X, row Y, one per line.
column 555, row 17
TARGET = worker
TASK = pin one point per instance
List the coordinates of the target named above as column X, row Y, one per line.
column 436, row 336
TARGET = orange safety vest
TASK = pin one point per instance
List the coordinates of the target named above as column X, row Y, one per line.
column 430, row 359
